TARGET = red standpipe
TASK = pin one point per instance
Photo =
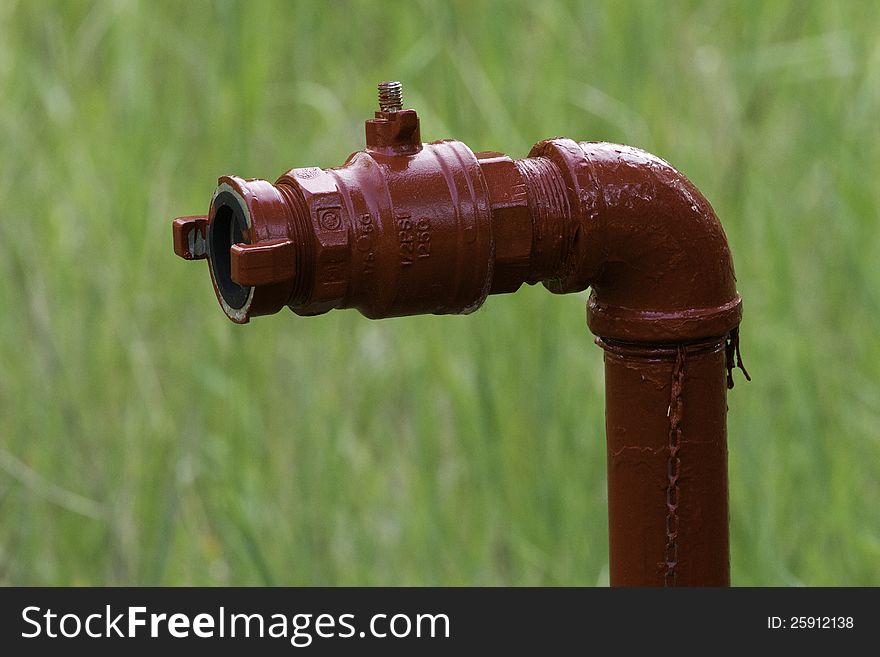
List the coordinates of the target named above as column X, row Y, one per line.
column 406, row 227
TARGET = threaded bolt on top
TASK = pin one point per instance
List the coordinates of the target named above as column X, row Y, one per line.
column 390, row 96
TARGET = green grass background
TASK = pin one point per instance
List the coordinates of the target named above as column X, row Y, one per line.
column 144, row 439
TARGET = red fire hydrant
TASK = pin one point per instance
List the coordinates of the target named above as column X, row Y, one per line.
column 406, row 227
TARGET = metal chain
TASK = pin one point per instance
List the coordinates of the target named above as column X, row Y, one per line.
column 673, row 467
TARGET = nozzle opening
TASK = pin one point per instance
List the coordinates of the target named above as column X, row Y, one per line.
column 227, row 228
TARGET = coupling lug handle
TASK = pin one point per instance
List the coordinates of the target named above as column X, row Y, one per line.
column 263, row 263
column 190, row 237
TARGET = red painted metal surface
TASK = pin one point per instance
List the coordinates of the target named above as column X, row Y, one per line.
column 406, row 227
column 667, row 464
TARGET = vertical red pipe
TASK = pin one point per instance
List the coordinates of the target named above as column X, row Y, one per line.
column 667, row 464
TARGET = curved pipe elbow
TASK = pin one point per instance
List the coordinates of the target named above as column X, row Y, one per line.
column 648, row 244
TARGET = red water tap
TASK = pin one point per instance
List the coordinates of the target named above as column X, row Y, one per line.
column 406, row 227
